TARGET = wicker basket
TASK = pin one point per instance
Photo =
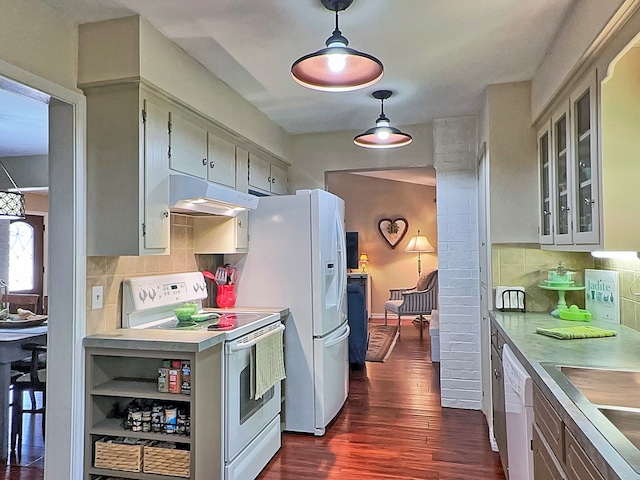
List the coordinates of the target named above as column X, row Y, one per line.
column 167, row 461
column 118, row 456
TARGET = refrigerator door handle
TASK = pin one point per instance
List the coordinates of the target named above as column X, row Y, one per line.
column 339, row 339
column 342, row 267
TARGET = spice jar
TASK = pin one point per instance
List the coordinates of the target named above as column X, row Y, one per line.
column 175, row 383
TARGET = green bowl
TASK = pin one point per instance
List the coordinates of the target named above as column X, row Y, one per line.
column 575, row 314
column 183, row 313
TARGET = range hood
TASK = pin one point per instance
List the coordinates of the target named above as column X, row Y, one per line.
column 196, row 196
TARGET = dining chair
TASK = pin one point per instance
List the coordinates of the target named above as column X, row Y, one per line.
column 32, row 382
column 26, row 301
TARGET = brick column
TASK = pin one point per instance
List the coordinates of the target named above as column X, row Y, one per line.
column 455, row 141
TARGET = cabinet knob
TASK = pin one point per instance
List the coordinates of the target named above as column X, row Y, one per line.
column 496, row 373
column 212, row 164
column 273, row 179
column 269, row 179
column 589, row 201
column 165, row 214
column 204, row 162
column 546, row 212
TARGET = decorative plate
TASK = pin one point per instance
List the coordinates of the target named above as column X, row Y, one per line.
column 13, row 321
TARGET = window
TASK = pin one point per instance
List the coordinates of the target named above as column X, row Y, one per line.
column 25, row 255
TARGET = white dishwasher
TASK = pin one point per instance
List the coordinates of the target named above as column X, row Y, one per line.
column 518, row 399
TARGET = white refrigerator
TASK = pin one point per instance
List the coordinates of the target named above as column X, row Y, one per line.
column 297, row 259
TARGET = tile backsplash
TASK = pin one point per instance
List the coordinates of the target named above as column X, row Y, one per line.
column 111, row 271
column 520, row 265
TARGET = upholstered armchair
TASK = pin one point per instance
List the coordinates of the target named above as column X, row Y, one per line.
column 419, row 300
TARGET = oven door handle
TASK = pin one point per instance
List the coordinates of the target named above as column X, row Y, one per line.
column 237, row 346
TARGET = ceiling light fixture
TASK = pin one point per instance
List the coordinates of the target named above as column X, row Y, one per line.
column 337, row 68
column 382, row 135
column 11, row 203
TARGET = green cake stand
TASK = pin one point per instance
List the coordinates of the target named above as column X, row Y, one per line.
column 562, row 290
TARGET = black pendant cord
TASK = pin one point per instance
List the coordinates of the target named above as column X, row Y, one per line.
column 382, row 107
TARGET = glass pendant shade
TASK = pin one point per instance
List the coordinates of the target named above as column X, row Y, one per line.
column 337, row 68
column 383, row 135
column 11, row 203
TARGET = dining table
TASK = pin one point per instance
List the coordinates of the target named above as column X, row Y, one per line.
column 11, row 342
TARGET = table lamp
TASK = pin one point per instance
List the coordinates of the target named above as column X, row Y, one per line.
column 364, row 258
column 419, row 244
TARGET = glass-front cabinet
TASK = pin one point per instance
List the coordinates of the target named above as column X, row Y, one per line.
column 567, row 158
column 585, row 169
column 544, row 158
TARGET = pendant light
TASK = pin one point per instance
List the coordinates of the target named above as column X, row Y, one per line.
column 11, row 203
column 337, row 68
column 382, row 135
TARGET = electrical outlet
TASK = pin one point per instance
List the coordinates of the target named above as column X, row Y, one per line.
column 96, row 297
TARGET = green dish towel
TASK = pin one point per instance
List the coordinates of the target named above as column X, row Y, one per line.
column 569, row 333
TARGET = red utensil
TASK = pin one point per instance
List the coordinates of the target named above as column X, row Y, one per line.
column 209, row 275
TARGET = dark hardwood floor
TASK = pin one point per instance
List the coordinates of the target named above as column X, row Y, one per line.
column 392, row 427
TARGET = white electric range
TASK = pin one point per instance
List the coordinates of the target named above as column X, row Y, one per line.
column 251, row 426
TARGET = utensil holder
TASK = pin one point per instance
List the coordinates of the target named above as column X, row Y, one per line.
column 226, row 297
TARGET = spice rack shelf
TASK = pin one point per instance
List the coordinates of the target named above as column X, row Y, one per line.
column 113, row 427
column 115, row 376
column 136, row 387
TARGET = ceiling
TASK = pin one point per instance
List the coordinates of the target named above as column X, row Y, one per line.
column 438, row 54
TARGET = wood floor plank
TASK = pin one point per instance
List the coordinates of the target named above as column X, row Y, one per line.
column 393, row 427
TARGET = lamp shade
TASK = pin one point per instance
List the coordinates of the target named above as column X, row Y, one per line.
column 11, row 203
column 364, row 257
column 419, row 244
column 383, row 135
column 337, row 68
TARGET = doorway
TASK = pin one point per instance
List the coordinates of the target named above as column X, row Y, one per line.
column 66, row 119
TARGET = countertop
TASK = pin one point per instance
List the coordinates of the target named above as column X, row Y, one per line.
column 621, row 351
column 193, row 341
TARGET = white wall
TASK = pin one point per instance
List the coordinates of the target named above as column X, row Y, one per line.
column 580, row 28
column 38, row 40
column 314, row 154
column 28, row 171
column 513, row 188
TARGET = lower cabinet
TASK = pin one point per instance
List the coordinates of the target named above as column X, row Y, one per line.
column 497, row 393
column 187, row 445
column 556, row 452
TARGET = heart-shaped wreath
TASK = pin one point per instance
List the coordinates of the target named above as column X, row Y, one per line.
column 393, row 230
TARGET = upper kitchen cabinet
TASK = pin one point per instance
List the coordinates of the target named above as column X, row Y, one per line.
column 620, row 124
column 267, row 177
column 221, row 155
column 216, row 234
column 188, row 142
column 568, row 172
column 197, row 149
column 127, row 171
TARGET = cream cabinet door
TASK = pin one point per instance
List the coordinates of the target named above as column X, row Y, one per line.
column 156, row 181
column 279, row 180
column 188, row 153
column 222, row 161
column 259, row 173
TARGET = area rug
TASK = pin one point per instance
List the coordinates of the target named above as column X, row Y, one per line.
column 382, row 339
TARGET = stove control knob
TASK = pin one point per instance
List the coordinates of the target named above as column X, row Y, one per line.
column 203, row 286
column 152, row 293
column 142, row 294
column 196, row 287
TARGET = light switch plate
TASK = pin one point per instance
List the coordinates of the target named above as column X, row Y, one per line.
column 96, row 297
